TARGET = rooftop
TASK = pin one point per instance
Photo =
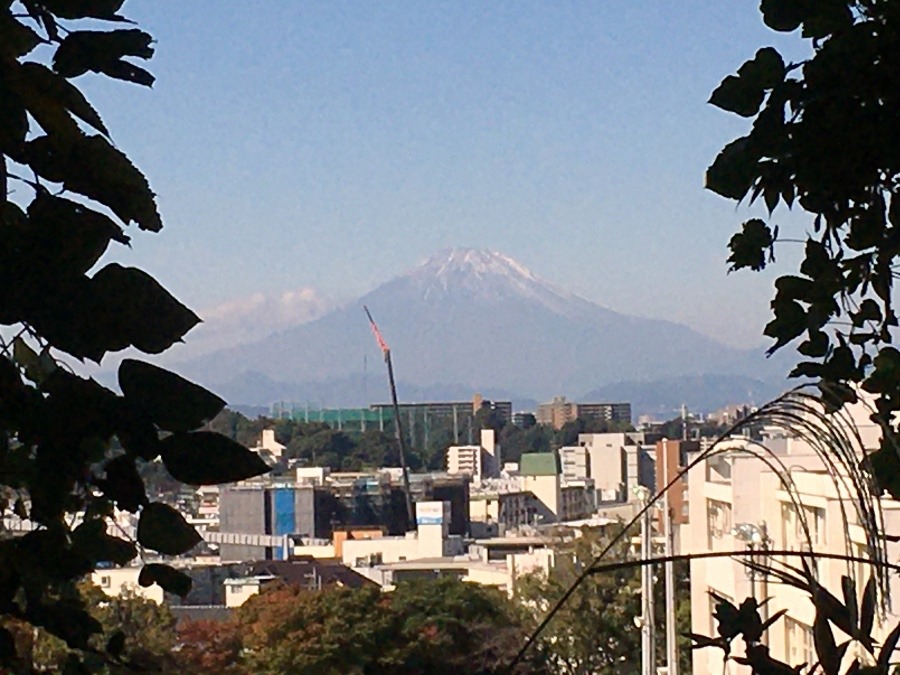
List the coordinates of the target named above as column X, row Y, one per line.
column 539, row 464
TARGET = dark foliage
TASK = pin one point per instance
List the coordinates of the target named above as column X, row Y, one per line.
column 67, row 444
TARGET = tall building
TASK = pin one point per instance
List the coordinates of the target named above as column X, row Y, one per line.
column 795, row 502
column 419, row 418
column 671, row 458
column 477, row 461
column 615, row 462
column 271, row 509
column 559, row 411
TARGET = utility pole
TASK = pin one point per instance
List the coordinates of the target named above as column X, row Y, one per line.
column 671, row 629
column 398, row 426
column 647, row 620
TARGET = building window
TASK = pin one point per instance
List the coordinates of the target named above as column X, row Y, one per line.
column 237, row 590
column 815, row 519
column 718, row 519
column 799, row 642
column 105, row 581
column 793, row 533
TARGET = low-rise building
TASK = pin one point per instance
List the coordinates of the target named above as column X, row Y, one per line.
column 555, row 500
column 307, row 572
column 431, row 539
column 493, row 513
column 115, row 581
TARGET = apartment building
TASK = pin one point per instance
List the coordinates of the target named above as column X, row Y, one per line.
column 478, row 461
column 615, row 462
column 737, row 502
column 671, row 459
column 560, row 410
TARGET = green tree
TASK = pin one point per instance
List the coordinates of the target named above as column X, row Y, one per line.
column 428, row 626
column 824, row 140
column 67, row 444
column 594, row 631
column 515, row 442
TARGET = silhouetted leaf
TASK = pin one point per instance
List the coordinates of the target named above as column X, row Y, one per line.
column 163, row 529
column 887, row 648
column 49, row 90
column 123, row 484
column 207, row 458
column 826, row 648
column 765, row 70
column 789, row 322
column 91, row 540
column 886, row 374
column 867, row 610
column 102, row 52
column 816, row 345
column 848, row 588
column 16, row 39
column 701, row 641
column 732, row 172
column 170, row 579
column 68, row 237
column 82, row 9
column 136, row 431
column 783, row 15
column 90, row 166
column 749, row 247
column 13, row 119
column 795, row 288
column 738, row 96
column 173, row 403
column 137, row 310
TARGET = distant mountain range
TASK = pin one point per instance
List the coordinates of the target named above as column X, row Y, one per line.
column 471, row 320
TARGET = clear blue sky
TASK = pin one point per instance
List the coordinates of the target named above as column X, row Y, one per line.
column 336, row 144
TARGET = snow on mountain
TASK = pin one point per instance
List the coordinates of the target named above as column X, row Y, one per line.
column 485, row 273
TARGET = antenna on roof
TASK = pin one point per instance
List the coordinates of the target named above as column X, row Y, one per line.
column 401, row 441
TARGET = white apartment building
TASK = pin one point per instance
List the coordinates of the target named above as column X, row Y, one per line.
column 478, row 461
column 574, row 461
column 268, row 448
column 465, row 459
column 616, row 462
column 734, row 494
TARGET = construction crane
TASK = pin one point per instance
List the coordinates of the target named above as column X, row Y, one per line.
column 398, row 428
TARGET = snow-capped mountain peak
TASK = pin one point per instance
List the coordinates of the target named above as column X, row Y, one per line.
column 485, row 274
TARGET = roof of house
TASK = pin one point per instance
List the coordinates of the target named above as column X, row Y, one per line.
column 200, row 612
column 539, row 464
column 303, row 570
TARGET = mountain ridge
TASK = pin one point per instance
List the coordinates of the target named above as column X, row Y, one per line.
column 482, row 320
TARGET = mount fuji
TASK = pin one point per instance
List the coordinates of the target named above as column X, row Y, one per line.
column 468, row 320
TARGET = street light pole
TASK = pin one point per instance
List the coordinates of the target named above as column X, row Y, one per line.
column 647, row 620
column 671, row 628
